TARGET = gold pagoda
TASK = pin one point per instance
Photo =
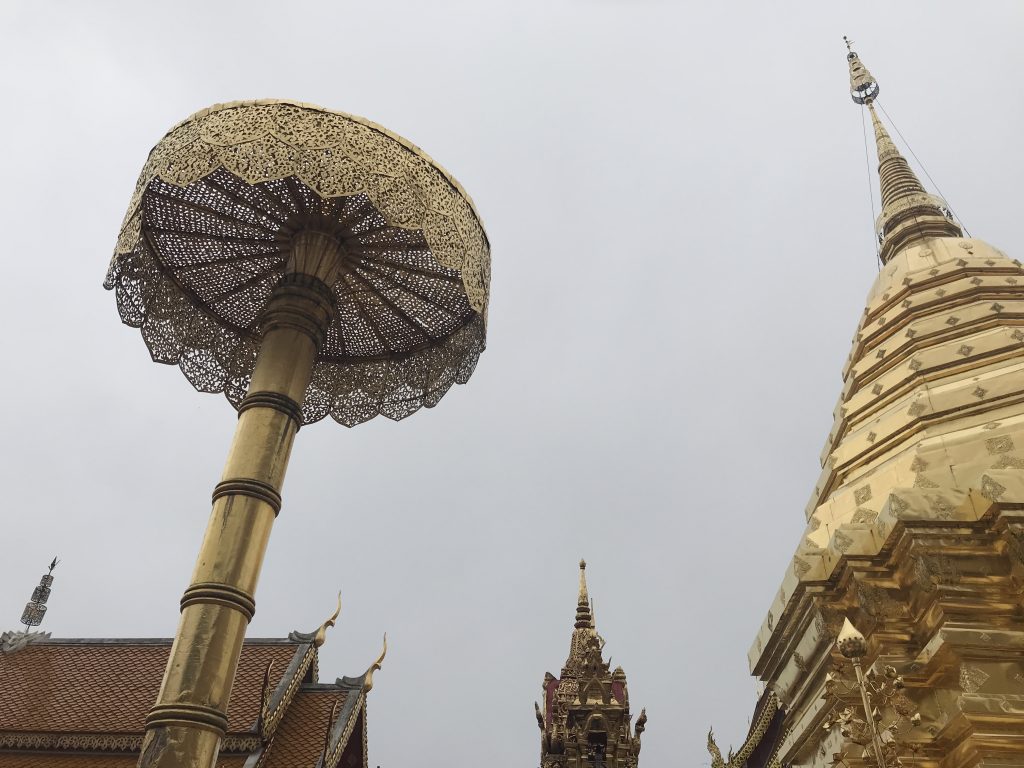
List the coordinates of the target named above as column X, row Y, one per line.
column 897, row 634
column 585, row 722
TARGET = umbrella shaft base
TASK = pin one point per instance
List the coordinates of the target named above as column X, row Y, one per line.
column 182, row 744
column 186, row 725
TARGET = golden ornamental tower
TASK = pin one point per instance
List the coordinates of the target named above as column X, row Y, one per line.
column 585, row 722
column 897, row 635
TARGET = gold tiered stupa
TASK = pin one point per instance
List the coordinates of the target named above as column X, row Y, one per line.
column 915, row 529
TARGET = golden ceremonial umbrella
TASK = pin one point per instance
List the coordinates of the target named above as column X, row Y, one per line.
column 304, row 262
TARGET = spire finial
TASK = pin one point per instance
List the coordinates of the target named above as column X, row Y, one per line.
column 909, row 213
column 35, row 610
column 584, row 616
column 863, row 86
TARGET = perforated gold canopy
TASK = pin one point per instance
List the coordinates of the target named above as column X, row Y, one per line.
column 205, row 239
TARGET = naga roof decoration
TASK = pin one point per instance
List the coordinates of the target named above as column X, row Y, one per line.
column 760, row 748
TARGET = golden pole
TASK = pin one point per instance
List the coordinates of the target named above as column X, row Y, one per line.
column 853, row 645
column 876, row 741
column 185, row 726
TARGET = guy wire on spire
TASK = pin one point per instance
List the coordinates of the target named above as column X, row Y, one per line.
column 922, row 166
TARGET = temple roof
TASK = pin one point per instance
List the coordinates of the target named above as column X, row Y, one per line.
column 104, row 686
column 83, row 703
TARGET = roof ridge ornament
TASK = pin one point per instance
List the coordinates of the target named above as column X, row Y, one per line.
column 32, row 616
column 265, row 693
column 328, row 733
column 35, row 609
column 376, row 666
column 320, row 637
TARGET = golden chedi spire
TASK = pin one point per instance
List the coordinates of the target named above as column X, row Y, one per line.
column 914, row 533
column 909, row 213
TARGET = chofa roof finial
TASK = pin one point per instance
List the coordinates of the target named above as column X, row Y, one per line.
column 321, row 634
column 368, row 677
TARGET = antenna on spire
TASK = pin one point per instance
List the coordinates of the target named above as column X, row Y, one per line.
column 849, row 43
column 35, row 610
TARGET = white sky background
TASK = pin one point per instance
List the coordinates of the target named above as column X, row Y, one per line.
column 677, row 201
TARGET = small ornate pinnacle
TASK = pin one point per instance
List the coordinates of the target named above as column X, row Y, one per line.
column 849, row 43
column 35, row 610
column 584, row 614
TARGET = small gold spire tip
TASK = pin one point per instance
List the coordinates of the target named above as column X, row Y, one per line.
column 321, row 634
column 584, row 617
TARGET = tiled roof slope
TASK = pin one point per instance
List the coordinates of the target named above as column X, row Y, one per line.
column 109, row 685
column 300, row 740
column 83, row 703
column 64, row 760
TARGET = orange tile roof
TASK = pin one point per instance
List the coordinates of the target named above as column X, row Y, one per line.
column 59, row 696
column 108, row 686
column 300, row 737
column 64, row 760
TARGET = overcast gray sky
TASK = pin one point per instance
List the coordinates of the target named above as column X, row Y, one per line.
column 677, row 200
